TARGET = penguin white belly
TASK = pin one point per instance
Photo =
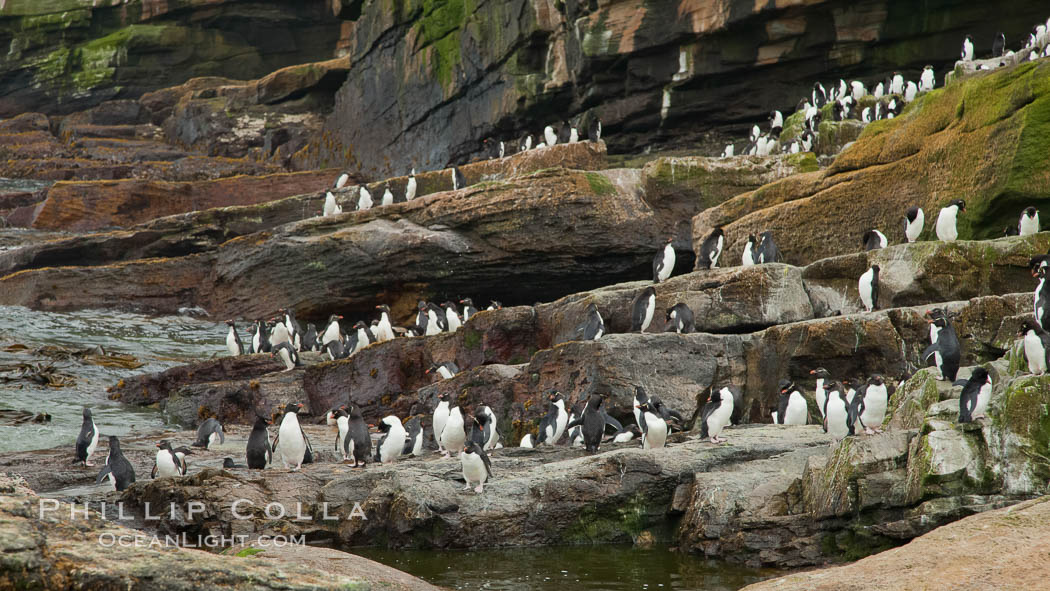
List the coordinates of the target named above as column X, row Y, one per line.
column 668, row 263
column 938, row 362
column 526, row 441
column 718, row 252
column 1035, row 299
column 748, row 258
column 473, row 469
column 444, row 373
column 874, row 407
column 393, row 446
column 385, row 332
column 213, row 439
column 94, row 442
column 453, row 436
column 560, row 422
column 549, row 135
column 289, row 363
column 432, row 324
column 946, row 229
column 719, row 419
column 576, row 437
column 821, row 396
column 983, row 397
column 649, row 308
column 599, row 334
column 836, row 418
column 864, row 286
column 344, row 428
column 452, row 319
column 637, row 413
column 934, row 331
column 656, row 434
column 623, row 437
column 166, row 467
column 1034, row 352
column 417, row 445
column 410, row 189
column 440, row 419
column 330, row 334
column 291, row 446
column 796, row 410
column 1028, row 225
column 231, row 342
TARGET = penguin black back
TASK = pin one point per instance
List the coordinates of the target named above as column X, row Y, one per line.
column 117, row 466
column 257, row 453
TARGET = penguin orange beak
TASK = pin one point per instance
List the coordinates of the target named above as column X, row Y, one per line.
column 812, row 372
column 300, row 405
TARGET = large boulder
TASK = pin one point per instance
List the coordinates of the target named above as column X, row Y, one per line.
column 996, row 119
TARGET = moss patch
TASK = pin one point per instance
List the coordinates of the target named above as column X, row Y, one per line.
column 599, row 184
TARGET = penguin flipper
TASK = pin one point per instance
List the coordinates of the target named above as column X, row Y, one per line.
column 488, row 463
column 609, row 420
column 105, row 471
column 575, row 423
column 153, row 473
column 929, row 352
column 273, row 446
column 960, row 382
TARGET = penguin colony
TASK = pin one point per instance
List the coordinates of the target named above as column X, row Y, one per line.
column 847, row 406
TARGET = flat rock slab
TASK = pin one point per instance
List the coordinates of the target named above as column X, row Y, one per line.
column 955, row 556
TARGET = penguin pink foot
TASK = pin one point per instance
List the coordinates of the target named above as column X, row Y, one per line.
column 479, row 488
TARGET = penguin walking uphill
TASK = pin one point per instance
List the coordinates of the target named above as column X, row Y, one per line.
column 593, row 327
column 868, row 286
column 209, row 433
column 167, row 464
column 258, row 453
column 642, row 309
column 976, row 394
column 791, row 407
column 914, row 220
column 291, row 441
column 1036, row 347
column 287, row 354
column 711, row 249
column 680, row 318
column 717, row 413
column 233, row 340
column 945, row 349
column 1029, row 222
column 393, row 441
column 87, row 440
column 476, row 466
column 946, row 220
column 117, row 468
column 663, row 262
column 552, row 426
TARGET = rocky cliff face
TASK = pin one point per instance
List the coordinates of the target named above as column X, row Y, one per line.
column 660, row 74
column 65, row 55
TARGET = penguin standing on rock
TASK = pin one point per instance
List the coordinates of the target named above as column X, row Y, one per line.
column 209, row 433
column 663, row 262
column 87, row 440
column 167, row 465
column 750, row 256
column 451, row 316
column 973, row 401
column 872, row 406
column 549, row 136
column 341, row 181
column 680, row 317
column 592, row 422
column 233, row 340
column 967, row 49
column 945, row 350
column 874, row 240
column 654, row 427
column 869, row 288
column 717, row 414
column 1042, row 297
column 393, row 441
column 291, row 441
column 364, row 199
column 821, row 394
column 358, row 442
column 258, row 452
column 791, row 407
column 446, row 370
column 999, row 45
column 642, row 309
column 117, row 468
column 440, row 417
column 310, row 342
column 711, row 249
column 414, row 439
column 492, row 434
column 386, row 330
column 592, row 327
column 332, row 331
column 1029, row 222
column 458, row 180
column 476, row 466
column 410, row 186
column 453, row 434
column 1036, row 347
column 946, row 220
column 553, row 424
column 836, row 412
column 913, row 221
column 331, row 206
column 342, row 422
column 767, row 249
